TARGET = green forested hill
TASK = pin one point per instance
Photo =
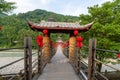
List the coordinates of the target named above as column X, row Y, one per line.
column 15, row 27
column 39, row 15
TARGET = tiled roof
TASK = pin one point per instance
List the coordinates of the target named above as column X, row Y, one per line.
column 59, row 26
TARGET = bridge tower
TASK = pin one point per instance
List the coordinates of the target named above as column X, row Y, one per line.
column 73, row 29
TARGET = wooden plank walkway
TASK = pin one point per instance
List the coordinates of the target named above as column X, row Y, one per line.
column 58, row 69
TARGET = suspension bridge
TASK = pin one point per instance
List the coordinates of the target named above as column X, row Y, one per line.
column 61, row 60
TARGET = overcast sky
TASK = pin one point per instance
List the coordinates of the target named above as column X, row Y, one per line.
column 66, row 7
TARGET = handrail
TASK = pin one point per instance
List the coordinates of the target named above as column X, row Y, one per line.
column 92, row 59
column 107, row 65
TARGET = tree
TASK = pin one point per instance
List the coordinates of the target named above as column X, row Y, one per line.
column 106, row 27
column 106, row 21
column 6, row 7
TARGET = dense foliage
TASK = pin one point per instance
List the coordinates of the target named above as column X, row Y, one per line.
column 6, row 7
column 106, row 26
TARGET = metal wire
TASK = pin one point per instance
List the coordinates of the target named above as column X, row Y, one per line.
column 107, row 65
column 11, row 63
column 34, row 61
column 34, row 65
column 34, row 53
column 107, row 50
column 12, row 48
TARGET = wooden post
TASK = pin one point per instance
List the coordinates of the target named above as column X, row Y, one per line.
column 28, row 58
column 91, row 60
column 39, row 60
column 78, row 60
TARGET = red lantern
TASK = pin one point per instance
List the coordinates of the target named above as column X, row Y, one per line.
column 79, row 39
column 118, row 55
column 39, row 40
column 45, row 31
column 76, row 32
column 79, row 42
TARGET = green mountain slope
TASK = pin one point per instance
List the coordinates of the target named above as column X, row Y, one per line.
column 15, row 26
column 39, row 14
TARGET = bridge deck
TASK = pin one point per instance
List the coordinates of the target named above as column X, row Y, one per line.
column 58, row 69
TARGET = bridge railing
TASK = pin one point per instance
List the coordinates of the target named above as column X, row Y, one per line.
column 93, row 74
column 33, row 63
column 87, row 69
column 7, row 75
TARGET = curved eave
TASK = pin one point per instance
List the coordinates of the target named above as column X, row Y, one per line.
column 55, row 29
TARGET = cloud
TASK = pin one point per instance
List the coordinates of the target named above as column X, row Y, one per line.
column 67, row 7
column 45, row 2
column 103, row 1
column 73, row 10
column 29, row 5
column 22, row 6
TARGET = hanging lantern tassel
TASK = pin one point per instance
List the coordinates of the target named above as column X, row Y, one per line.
column 79, row 42
column 39, row 40
column 45, row 31
column 76, row 32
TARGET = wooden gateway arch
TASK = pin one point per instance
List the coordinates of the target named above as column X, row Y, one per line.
column 60, row 27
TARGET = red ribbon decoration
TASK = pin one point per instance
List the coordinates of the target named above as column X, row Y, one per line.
column 79, row 42
column 39, row 40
